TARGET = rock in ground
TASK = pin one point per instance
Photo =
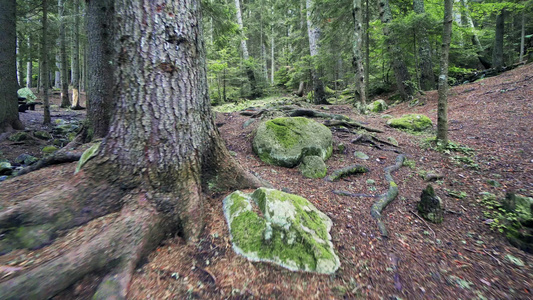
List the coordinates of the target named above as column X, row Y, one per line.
column 313, row 167
column 430, row 206
column 415, row 122
column 286, row 141
column 290, row 231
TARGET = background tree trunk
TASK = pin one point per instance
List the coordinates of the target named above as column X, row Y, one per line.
column 522, row 35
column 9, row 116
column 313, row 32
column 427, row 78
column 29, row 65
column 246, row 56
column 442, row 111
column 20, row 71
column 497, row 52
column 76, row 58
column 44, row 65
column 65, row 102
column 358, row 54
column 100, row 66
column 395, row 52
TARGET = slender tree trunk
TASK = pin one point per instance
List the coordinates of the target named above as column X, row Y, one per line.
column 9, row 116
column 313, row 32
column 497, row 52
column 427, row 78
column 20, row 72
column 100, row 65
column 367, row 46
column 44, row 68
column 358, row 54
column 475, row 39
column 29, row 65
column 76, row 58
column 272, row 61
column 244, row 47
column 442, row 111
column 395, row 52
column 65, row 102
column 522, row 36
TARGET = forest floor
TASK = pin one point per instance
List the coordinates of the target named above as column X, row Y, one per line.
column 462, row 258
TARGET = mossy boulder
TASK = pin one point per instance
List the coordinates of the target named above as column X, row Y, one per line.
column 377, row 106
column 28, row 94
column 26, row 159
column 414, row 122
column 42, row 135
column 5, row 168
column 286, row 141
column 49, row 149
column 313, row 167
column 19, row 136
column 290, row 231
column 430, row 206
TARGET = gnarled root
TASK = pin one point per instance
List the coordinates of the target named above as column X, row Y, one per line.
column 346, row 171
column 386, row 198
column 117, row 250
column 33, row 223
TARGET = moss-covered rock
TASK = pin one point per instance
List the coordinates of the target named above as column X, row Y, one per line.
column 27, row 93
column 430, row 206
column 377, row 106
column 285, row 141
column 43, row 135
column 87, row 154
column 19, row 136
column 520, row 233
column 414, row 122
column 5, row 168
column 26, row 159
column 291, row 232
column 49, row 149
column 313, row 167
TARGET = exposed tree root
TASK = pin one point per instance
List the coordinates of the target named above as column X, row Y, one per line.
column 57, row 158
column 117, row 250
column 386, row 198
column 346, row 171
column 364, row 138
column 346, row 193
column 351, row 124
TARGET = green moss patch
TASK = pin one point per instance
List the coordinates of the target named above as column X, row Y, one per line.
column 414, row 122
column 288, row 231
column 313, row 167
column 88, row 154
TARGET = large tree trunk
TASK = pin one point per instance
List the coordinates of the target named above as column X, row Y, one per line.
column 9, row 116
column 427, row 78
column 442, row 111
column 44, row 65
column 76, row 58
column 162, row 153
column 313, row 32
column 357, row 53
column 100, row 66
column 395, row 53
column 65, row 102
column 246, row 56
column 497, row 52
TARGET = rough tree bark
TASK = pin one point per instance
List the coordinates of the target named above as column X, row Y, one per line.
column 358, row 53
column 100, row 66
column 313, row 32
column 162, row 152
column 65, row 102
column 395, row 52
column 76, row 58
column 497, row 52
column 442, row 111
column 44, row 65
column 9, row 115
column 427, row 78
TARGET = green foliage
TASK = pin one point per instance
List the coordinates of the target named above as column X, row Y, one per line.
column 499, row 218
